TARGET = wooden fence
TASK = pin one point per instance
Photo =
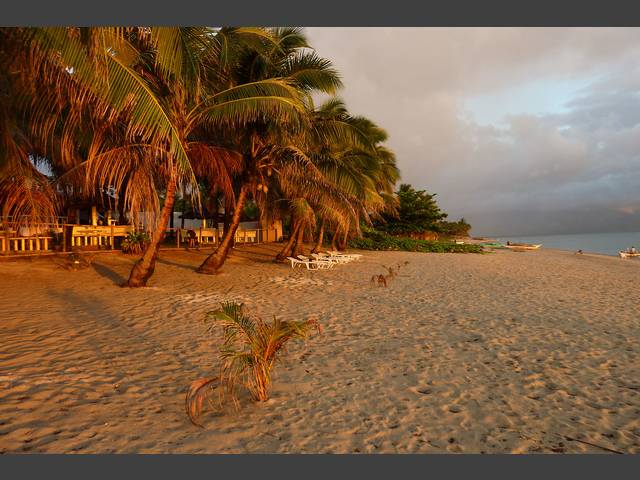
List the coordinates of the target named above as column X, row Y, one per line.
column 210, row 237
column 30, row 235
column 64, row 237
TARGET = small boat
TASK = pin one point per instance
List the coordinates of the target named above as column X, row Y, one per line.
column 524, row 246
column 628, row 254
column 492, row 245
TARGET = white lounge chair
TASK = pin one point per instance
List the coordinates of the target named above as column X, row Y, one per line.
column 320, row 263
column 352, row 256
column 327, row 258
column 298, row 263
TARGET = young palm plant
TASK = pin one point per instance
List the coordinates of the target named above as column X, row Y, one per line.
column 249, row 351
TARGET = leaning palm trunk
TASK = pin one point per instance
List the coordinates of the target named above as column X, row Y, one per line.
column 342, row 245
column 334, row 239
column 226, row 221
column 144, row 268
column 289, row 245
column 216, row 260
column 298, row 246
column 318, row 245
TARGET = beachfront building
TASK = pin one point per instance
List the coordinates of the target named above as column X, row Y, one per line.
column 100, row 226
column 86, row 226
column 208, row 229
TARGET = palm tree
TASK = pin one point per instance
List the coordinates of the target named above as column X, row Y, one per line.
column 167, row 86
column 267, row 144
column 355, row 180
column 25, row 191
column 169, row 109
column 367, row 177
column 199, row 99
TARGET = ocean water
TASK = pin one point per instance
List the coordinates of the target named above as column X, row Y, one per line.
column 605, row 243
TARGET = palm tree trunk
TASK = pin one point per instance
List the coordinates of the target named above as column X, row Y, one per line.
column 308, row 235
column 227, row 220
column 298, row 246
column 214, row 262
column 216, row 212
column 289, row 245
column 345, row 238
column 143, row 269
column 318, row 245
column 122, row 218
column 334, row 240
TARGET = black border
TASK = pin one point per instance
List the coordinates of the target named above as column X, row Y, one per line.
column 308, row 467
column 401, row 13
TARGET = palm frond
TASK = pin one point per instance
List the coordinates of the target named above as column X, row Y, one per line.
column 312, row 72
column 249, row 350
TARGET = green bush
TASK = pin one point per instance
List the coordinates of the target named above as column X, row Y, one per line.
column 135, row 242
column 376, row 240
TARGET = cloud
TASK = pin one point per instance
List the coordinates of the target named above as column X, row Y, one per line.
column 576, row 168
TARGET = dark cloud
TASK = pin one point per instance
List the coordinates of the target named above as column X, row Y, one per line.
column 573, row 170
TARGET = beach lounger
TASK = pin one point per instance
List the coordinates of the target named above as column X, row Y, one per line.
column 335, row 252
column 352, row 256
column 298, row 263
column 320, row 263
column 328, row 258
column 341, row 258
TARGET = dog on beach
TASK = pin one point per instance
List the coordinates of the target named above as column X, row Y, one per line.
column 379, row 279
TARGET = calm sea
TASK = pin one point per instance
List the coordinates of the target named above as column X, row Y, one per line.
column 606, row 243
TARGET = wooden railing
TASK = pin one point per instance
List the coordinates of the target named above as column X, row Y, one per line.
column 13, row 244
column 28, row 234
column 259, row 235
column 44, row 237
column 69, row 237
column 98, row 236
column 212, row 236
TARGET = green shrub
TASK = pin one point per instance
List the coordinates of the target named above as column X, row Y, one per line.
column 135, row 242
column 376, row 240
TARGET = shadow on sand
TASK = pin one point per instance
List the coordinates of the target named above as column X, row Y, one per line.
column 106, row 272
column 191, row 268
column 257, row 253
column 101, row 328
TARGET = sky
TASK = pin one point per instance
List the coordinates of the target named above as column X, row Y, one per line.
column 521, row 131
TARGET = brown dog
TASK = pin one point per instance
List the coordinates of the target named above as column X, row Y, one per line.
column 380, row 279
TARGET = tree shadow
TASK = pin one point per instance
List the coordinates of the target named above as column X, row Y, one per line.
column 256, row 256
column 106, row 272
column 191, row 268
column 101, row 328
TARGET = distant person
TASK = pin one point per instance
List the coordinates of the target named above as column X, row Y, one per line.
column 632, row 250
column 192, row 239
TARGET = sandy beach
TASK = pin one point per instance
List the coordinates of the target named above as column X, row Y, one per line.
column 500, row 353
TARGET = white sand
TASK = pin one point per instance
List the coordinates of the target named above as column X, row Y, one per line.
column 507, row 352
